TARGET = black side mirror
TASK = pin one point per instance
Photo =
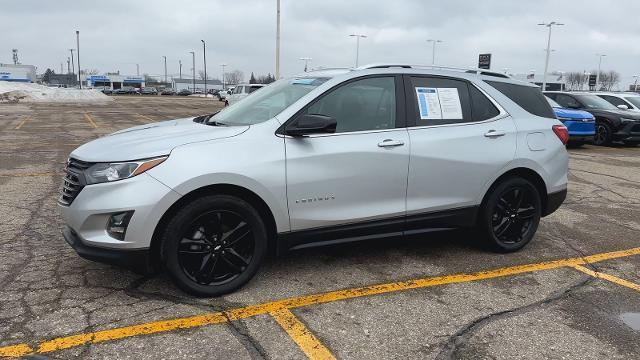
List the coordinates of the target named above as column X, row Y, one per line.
column 311, row 124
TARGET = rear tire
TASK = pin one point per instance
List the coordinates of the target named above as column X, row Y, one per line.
column 214, row 245
column 509, row 218
column 604, row 134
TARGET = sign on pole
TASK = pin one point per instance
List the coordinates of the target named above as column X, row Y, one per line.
column 484, row 61
column 592, row 80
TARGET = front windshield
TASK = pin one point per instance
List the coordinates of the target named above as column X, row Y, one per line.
column 635, row 100
column 595, row 102
column 553, row 103
column 270, row 101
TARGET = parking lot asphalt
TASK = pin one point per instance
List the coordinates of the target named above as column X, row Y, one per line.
column 574, row 292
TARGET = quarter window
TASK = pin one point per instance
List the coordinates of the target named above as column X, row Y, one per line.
column 481, row 107
column 367, row 104
column 529, row 98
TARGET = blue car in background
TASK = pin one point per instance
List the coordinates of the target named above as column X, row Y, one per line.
column 581, row 124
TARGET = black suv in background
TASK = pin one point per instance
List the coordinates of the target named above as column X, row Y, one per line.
column 612, row 124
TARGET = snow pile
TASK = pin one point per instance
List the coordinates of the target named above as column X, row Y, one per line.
column 28, row 92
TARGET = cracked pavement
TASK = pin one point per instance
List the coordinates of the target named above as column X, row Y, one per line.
column 47, row 291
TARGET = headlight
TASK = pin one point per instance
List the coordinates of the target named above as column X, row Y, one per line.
column 107, row 172
column 628, row 120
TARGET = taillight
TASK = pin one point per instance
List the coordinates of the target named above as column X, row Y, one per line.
column 562, row 133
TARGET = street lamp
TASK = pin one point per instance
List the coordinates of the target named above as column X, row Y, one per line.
column 635, row 83
column 306, row 62
column 193, row 56
column 546, row 64
column 165, row 70
column 223, row 66
column 78, row 53
column 137, row 69
column 73, row 68
column 433, row 53
column 180, row 65
column 278, row 40
column 204, row 54
column 358, row 36
column 600, row 56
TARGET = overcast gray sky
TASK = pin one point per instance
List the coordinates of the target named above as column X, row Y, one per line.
column 117, row 34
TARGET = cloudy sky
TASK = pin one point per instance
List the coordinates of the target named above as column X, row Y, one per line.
column 117, row 34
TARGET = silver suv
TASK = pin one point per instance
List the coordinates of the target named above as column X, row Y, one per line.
column 330, row 156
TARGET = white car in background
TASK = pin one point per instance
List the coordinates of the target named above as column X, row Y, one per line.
column 240, row 92
column 223, row 94
column 623, row 101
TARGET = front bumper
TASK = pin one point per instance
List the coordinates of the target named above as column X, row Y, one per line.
column 630, row 131
column 90, row 211
column 136, row 260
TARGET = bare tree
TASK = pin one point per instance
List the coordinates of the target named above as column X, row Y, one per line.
column 574, row 80
column 234, row 77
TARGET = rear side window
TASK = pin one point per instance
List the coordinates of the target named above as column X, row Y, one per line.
column 527, row 97
column 481, row 107
column 438, row 101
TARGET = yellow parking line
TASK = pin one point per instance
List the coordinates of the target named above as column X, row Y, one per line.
column 306, row 340
column 613, row 279
column 306, row 300
column 27, row 118
column 90, row 120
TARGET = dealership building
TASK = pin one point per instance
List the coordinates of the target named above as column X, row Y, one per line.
column 187, row 84
column 114, row 81
column 20, row 73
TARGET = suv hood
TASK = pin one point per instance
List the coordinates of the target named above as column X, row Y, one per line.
column 571, row 114
column 615, row 113
column 150, row 140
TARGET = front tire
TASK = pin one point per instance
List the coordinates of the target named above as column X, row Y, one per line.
column 604, row 134
column 632, row 143
column 214, row 245
column 510, row 215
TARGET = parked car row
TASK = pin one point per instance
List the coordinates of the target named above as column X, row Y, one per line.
column 616, row 116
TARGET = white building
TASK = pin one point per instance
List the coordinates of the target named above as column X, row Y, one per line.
column 21, row 73
column 114, row 81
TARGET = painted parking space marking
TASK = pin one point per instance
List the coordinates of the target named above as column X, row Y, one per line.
column 301, row 335
column 66, row 342
column 24, row 121
column 611, row 278
column 90, row 120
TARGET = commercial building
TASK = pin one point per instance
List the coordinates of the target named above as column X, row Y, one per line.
column 181, row 84
column 21, row 73
column 111, row 81
column 555, row 81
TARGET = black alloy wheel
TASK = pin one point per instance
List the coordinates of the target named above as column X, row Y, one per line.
column 214, row 245
column 216, row 248
column 603, row 134
column 511, row 215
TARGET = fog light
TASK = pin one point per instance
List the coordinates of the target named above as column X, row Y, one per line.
column 117, row 225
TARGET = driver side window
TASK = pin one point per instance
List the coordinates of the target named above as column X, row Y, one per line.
column 367, row 104
column 567, row 101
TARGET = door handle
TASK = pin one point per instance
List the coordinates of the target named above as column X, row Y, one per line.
column 390, row 143
column 494, row 133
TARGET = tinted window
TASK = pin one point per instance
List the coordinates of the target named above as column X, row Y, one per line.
column 635, row 100
column 438, row 101
column 367, row 104
column 594, row 102
column 614, row 100
column 481, row 107
column 253, row 88
column 567, row 101
column 527, row 97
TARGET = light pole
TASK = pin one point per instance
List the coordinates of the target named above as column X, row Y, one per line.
column 68, row 65
column 278, row 40
column 546, row 64
column 73, row 67
column 600, row 56
column 306, row 62
column 165, row 70
column 433, row 53
column 587, row 75
column 204, row 55
column 223, row 66
column 635, row 83
column 137, row 69
column 78, row 53
column 358, row 36
column 193, row 56
column 180, row 65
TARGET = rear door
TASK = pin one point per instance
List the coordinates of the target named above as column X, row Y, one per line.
column 459, row 140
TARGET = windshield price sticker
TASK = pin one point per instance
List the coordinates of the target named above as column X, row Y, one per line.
column 439, row 103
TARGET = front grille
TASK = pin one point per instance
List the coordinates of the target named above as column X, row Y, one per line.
column 73, row 181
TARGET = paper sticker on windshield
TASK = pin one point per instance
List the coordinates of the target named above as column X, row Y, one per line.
column 439, row 103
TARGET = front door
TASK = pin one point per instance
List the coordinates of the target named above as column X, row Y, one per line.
column 357, row 175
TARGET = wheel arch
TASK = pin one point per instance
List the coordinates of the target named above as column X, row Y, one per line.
column 525, row 173
column 219, row 189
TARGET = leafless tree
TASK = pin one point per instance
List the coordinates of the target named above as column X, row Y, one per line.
column 234, row 77
column 574, row 80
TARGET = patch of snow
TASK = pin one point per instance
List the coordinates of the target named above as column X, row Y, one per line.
column 28, row 92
